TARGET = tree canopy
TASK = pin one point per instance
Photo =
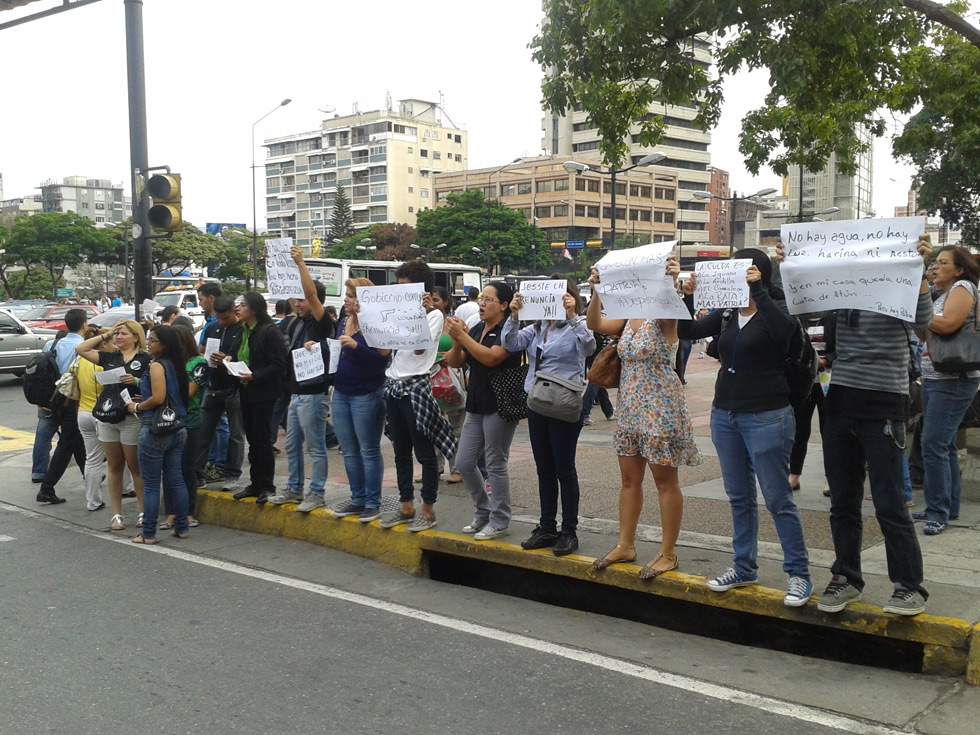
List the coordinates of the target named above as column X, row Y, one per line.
column 834, row 66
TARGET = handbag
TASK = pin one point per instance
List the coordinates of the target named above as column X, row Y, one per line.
column 67, row 384
column 606, row 367
column 166, row 418
column 508, row 389
column 958, row 352
column 556, row 398
column 446, row 387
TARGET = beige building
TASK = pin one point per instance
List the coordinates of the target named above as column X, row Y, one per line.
column 96, row 199
column 576, row 207
column 385, row 159
column 22, row 206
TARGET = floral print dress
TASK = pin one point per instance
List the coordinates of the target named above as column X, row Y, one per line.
column 653, row 420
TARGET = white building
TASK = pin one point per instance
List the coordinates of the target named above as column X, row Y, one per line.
column 96, row 199
column 851, row 194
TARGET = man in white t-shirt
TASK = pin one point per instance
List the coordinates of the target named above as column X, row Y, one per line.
column 470, row 308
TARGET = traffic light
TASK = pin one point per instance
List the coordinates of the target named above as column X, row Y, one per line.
column 165, row 212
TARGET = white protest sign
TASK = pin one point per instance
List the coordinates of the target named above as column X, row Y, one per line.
column 334, row 346
column 633, row 284
column 392, row 317
column 149, row 307
column 237, row 369
column 110, row 377
column 871, row 265
column 281, row 271
column 213, row 345
column 308, row 363
column 542, row 299
column 721, row 284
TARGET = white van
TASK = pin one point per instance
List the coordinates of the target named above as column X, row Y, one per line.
column 181, row 291
column 335, row 272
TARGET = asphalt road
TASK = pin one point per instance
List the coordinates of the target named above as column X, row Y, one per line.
column 15, row 412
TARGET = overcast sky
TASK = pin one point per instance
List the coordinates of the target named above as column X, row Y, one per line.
column 214, row 68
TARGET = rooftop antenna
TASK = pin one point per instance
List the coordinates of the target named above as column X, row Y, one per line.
column 388, row 100
column 355, row 108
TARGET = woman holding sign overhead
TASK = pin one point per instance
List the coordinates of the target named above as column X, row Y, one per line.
column 653, row 428
column 752, row 426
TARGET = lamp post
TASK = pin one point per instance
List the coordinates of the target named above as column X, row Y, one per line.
column 478, row 251
column 428, row 251
column 734, row 201
column 255, row 233
column 489, row 208
column 581, row 168
column 126, row 231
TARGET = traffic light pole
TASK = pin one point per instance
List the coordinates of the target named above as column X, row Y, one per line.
column 138, row 154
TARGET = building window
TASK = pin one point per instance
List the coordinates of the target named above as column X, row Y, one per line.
column 544, row 186
column 620, row 212
column 620, row 188
column 508, row 190
column 424, row 173
column 99, row 219
column 524, row 188
column 411, row 150
column 644, row 215
column 381, row 190
column 459, row 158
column 423, row 152
column 436, row 155
column 579, row 184
column 579, row 210
column 411, row 209
column 592, row 145
column 561, row 184
column 667, row 194
column 580, row 127
column 99, row 205
column 411, row 190
column 411, row 169
column 592, row 212
column 561, row 210
column 645, row 192
column 489, row 192
column 542, row 212
column 424, row 193
column 666, row 217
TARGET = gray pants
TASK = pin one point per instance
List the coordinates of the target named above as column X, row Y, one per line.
column 491, row 433
column 212, row 406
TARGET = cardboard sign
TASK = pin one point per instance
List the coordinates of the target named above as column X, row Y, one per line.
column 282, row 273
column 334, row 346
column 633, row 284
column 392, row 317
column 542, row 299
column 871, row 265
column 721, row 284
column 308, row 363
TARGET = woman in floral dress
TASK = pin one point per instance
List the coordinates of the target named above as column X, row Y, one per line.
column 654, row 427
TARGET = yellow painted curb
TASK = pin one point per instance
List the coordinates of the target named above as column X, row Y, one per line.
column 973, row 663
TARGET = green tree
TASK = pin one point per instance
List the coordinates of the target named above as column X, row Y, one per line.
column 33, row 284
column 341, row 220
column 186, row 248
column 504, row 237
column 393, row 241
column 833, row 66
column 236, row 259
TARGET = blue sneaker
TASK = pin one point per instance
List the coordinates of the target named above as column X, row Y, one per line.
column 798, row 592
column 730, row 579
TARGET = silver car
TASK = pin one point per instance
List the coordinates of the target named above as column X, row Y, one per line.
column 19, row 343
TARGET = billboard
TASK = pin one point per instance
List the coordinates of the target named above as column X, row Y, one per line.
column 216, row 228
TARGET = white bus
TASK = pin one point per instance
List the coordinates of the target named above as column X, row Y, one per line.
column 335, row 272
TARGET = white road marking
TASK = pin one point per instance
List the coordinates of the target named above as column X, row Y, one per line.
column 6, row 538
column 720, row 692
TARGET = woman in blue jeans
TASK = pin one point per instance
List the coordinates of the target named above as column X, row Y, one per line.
column 556, row 347
column 752, row 426
column 946, row 396
column 161, row 455
column 359, row 411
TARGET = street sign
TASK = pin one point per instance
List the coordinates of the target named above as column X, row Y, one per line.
column 575, row 244
column 64, row 293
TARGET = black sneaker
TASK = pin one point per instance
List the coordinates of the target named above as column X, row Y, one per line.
column 540, row 539
column 566, row 544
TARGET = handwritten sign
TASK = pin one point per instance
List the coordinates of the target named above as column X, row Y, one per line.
column 308, row 363
column 634, row 284
column 281, row 271
column 333, row 345
column 110, row 377
column 871, row 265
column 721, row 285
column 392, row 317
column 149, row 308
column 542, row 299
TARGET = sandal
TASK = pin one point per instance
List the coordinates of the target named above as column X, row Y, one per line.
column 117, row 524
column 193, row 522
column 139, row 521
column 145, row 541
column 599, row 564
column 179, row 535
column 166, row 525
column 652, row 572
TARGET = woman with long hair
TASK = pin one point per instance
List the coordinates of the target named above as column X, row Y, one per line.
column 359, row 411
column 653, row 428
column 556, row 347
column 263, row 351
column 483, row 429
column 161, row 454
column 946, row 396
column 120, row 440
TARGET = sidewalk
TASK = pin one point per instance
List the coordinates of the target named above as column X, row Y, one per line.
column 948, row 636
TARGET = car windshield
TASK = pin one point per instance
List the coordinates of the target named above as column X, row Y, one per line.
column 108, row 318
column 171, row 298
column 40, row 313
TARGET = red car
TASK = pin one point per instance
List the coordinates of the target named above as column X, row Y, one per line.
column 53, row 317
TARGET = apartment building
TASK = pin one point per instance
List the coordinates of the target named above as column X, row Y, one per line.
column 385, row 159
column 96, row 199
column 719, row 210
column 685, row 145
column 22, row 206
column 822, row 190
column 574, row 209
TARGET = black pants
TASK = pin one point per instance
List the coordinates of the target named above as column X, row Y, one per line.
column 257, row 408
column 188, row 468
column 70, row 444
column 553, row 443
column 405, row 437
column 804, row 418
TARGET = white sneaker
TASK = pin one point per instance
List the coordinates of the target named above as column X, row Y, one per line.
column 476, row 525
column 286, row 496
column 233, row 486
column 489, row 532
column 311, row 502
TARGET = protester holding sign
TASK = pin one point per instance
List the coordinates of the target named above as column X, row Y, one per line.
column 947, row 395
column 867, row 404
column 653, row 425
column 556, row 348
column 414, row 419
column 262, row 350
column 752, row 425
column 484, row 429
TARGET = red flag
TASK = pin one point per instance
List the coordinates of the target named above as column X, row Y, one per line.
column 567, row 254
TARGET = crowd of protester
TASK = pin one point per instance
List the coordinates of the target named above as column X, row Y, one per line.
column 459, row 402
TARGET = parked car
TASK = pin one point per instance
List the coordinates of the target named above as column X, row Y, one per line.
column 110, row 316
column 53, row 317
column 19, row 343
column 20, row 308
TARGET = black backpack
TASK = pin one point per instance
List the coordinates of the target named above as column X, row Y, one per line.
column 41, row 378
column 802, row 365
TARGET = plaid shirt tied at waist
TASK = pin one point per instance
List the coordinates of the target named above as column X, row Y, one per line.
column 429, row 420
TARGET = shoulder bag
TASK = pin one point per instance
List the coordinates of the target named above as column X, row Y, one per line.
column 508, row 389
column 958, row 352
column 556, row 398
column 606, row 367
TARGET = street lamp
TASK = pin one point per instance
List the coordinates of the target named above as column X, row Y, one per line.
column 126, row 232
column 734, row 201
column 489, row 209
column 478, row 251
column 255, row 233
column 428, row 251
column 574, row 167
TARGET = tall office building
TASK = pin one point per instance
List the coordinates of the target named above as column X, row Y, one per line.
column 851, row 194
column 685, row 145
column 96, row 199
column 385, row 160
